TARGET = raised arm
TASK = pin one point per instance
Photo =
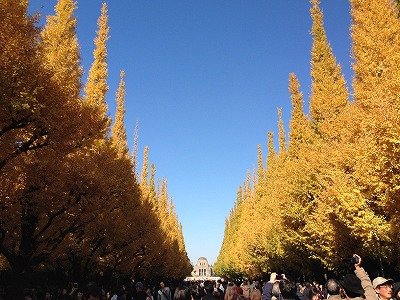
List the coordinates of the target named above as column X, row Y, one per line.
column 366, row 283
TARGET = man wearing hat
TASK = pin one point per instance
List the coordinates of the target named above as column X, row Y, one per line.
column 383, row 287
column 355, row 286
column 351, row 287
column 140, row 293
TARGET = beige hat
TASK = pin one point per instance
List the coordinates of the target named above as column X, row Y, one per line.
column 379, row 281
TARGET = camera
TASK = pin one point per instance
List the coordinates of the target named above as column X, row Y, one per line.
column 352, row 260
column 279, row 277
column 75, row 285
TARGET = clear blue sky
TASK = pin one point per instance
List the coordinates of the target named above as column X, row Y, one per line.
column 204, row 79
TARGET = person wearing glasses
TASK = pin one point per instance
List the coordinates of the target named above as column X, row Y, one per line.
column 383, row 288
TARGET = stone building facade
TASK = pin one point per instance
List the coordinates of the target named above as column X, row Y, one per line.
column 202, row 268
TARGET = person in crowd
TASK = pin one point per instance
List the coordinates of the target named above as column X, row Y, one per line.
column 351, row 287
column 93, row 291
column 251, row 286
column 220, row 286
column 257, row 285
column 383, row 288
column 366, row 283
column 239, row 290
column 78, row 295
column 195, row 290
column 396, row 290
column 313, row 293
column 275, row 293
column 333, row 289
column 287, row 289
column 322, row 292
column 272, row 289
column 231, row 292
column 47, row 296
column 27, row 294
column 139, row 294
column 358, row 285
column 255, row 294
column 246, row 289
column 149, row 294
column 119, row 294
column 306, row 289
column 211, row 292
column 114, row 295
column 183, row 293
column 164, row 293
column 64, row 294
column 108, row 294
column 272, row 284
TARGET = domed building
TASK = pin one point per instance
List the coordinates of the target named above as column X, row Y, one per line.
column 202, row 269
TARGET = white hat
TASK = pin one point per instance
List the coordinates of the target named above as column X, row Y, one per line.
column 379, row 281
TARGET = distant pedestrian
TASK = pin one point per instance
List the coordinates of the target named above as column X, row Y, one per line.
column 255, row 294
column 93, row 292
column 211, row 292
column 139, row 293
column 149, row 294
column 246, row 289
column 164, row 293
column 183, row 293
column 287, row 289
column 231, row 292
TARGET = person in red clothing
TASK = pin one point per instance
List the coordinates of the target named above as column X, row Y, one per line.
column 239, row 291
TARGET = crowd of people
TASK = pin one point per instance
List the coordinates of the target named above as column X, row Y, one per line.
column 355, row 286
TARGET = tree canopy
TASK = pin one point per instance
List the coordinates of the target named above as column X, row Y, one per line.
column 335, row 190
column 70, row 195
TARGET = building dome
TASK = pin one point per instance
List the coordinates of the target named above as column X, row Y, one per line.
column 203, row 259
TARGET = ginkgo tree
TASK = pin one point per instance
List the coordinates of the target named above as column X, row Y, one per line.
column 70, row 196
column 335, row 191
